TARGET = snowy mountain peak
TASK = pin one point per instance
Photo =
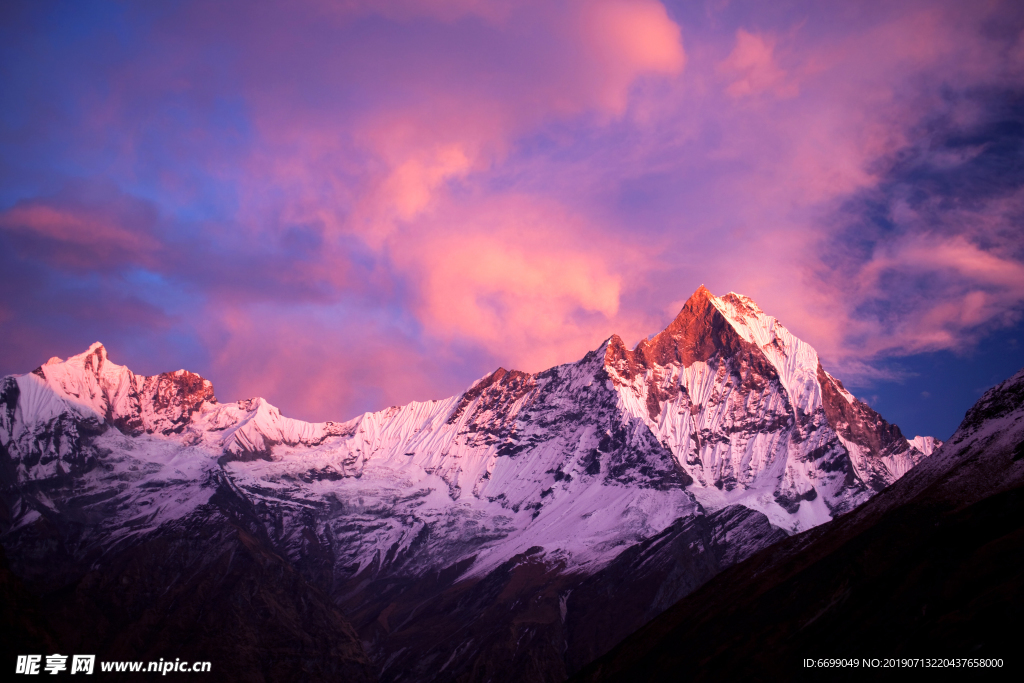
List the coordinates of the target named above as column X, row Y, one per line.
column 697, row 333
column 92, row 359
column 728, row 325
column 731, row 326
column 746, row 406
column 89, row 384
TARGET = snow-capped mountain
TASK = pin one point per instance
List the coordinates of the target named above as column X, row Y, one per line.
column 724, row 419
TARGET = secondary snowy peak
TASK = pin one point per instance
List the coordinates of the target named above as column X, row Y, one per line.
column 257, row 426
column 493, row 396
column 54, row 413
column 93, row 386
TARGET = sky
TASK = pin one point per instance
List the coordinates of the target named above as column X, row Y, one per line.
column 341, row 206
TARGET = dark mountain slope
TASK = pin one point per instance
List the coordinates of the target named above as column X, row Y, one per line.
column 21, row 620
column 207, row 587
column 532, row 620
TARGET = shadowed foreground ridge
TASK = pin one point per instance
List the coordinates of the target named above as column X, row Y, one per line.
column 210, row 588
column 931, row 567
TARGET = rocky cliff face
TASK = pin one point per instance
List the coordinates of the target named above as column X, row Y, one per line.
column 527, row 485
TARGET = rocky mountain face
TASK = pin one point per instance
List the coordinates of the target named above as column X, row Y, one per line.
column 930, row 568
column 515, row 531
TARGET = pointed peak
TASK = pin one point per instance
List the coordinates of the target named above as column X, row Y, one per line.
column 613, row 341
column 701, row 304
column 499, row 376
column 702, row 292
column 699, row 299
column 93, row 359
column 488, row 379
column 257, row 404
column 698, row 331
column 95, row 354
column 501, row 385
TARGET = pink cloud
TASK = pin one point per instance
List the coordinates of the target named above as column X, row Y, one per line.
column 627, row 39
column 526, row 280
column 104, row 231
column 987, row 288
column 67, row 226
column 753, row 65
column 462, row 116
column 411, row 185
